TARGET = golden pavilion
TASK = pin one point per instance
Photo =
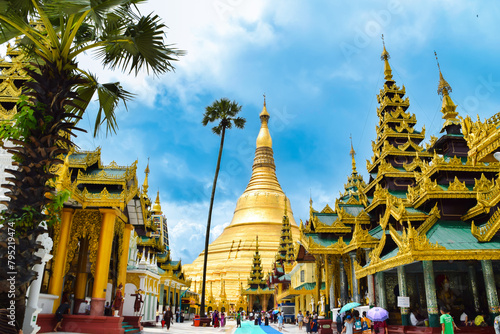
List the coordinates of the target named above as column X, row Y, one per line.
column 258, row 213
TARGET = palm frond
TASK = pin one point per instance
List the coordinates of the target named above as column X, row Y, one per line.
column 141, row 46
column 109, row 96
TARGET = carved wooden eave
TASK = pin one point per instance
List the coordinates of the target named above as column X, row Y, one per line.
column 387, row 132
column 392, row 151
column 385, row 101
column 488, row 196
column 455, row 164
column 89, row 159
column 412, row 247
column 416, row 163
column 336, row 248
column 337, row 226
column 427, row 190
column 361, row 239
column 381, row 176
column 485, row 232
column 104, row 198
column 432, row 218
column 483, row 138
column 327, row 209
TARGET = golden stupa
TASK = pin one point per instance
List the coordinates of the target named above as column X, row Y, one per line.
column 259, row 212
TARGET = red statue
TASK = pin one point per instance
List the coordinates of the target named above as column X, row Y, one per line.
column 138, row 302
column 118, row 302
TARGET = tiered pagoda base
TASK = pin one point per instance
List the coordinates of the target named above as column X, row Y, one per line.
column 82, row 324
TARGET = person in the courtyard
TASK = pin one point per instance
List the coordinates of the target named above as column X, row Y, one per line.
column 61, row 310
column 300, row 320
column 379, row 327
column 280, row 321
column 238, row 319
column 496, row 323
column 167, row 318
column 446, row 321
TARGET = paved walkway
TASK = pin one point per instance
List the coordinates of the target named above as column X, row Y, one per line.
column 247, row 327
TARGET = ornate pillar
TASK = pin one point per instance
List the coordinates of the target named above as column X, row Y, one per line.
column 343, row 283
column 102, row 262
column 380, row 285
column 403, row 292
column 161, row 298
column 355, row 282
column 317, row 291
column 332, row 301
column 370, row 280
column 430, row 294
column 471, row 268
column 32, row 310
column 81, row 275
column 123, row 258
column 59, row 262
column 327, row 279
column 491, row 290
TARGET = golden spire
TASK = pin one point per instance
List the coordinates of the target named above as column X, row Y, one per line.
column 263, row 169
column 448, row 108
column 145, row 185
column 157, row 206
column 264, row 137
column 256, row 244
column 385, row 57
column 352, row 154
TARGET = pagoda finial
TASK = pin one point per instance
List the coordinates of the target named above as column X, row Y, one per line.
column 157, row 205
column 352, row 154
column 264, row 137
column 285, row 206
column 256, row 244
column 145, row 185
column 443, row 87
column 385, row 57
column 448, row 108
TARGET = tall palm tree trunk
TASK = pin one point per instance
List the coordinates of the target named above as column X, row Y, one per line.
column 207, row 235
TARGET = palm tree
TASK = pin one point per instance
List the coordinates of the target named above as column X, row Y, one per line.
column 54, row 33
column 224, row 112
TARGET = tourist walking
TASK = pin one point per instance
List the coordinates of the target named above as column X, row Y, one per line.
column 349, row 325
column 300, row 320
column 222, row 319
column 215, row 317
column 446, row 321
column 168, row 318
column 314, row 324
column 307, row 322
column 280, row 321
column 238, row 319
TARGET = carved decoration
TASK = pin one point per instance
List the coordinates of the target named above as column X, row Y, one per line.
column 86, row 224
column 456, row 185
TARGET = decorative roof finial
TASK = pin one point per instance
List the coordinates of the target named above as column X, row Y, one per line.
column 352, row 154
column 443, row 87
column 385, row 57
column 264, row 99
column 145, row 185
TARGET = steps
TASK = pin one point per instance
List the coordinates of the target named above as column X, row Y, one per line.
column 129, row 329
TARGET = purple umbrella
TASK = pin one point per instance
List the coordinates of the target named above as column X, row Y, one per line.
column 377, row 314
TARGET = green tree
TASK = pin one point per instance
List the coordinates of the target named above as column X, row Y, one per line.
column 224, row 113
column 54, row 33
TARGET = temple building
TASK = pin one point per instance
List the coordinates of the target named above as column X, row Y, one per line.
column 258, row 212
column 425, row 225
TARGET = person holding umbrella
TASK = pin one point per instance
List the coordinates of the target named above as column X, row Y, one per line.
column 378, row 316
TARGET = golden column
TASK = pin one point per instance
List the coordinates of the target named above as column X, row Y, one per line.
column 122, row 264
column 82, row 275
column 102, row 262
column 59, row 261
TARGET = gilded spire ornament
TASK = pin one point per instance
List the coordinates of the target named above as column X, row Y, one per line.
column 145, row 185
column 352, row 154
column 448, row 108
column 157, row 205
column 385, row 57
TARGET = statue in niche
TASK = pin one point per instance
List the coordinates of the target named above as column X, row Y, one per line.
column 445, row 295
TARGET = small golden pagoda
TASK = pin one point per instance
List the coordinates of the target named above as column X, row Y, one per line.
column 258, row 212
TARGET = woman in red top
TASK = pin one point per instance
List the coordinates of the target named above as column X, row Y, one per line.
column 379, row 327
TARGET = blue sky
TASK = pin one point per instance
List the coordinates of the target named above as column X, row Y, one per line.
column 318, row 62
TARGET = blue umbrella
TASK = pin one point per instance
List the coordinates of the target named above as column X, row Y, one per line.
column 377, row 314
column 348, row 307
